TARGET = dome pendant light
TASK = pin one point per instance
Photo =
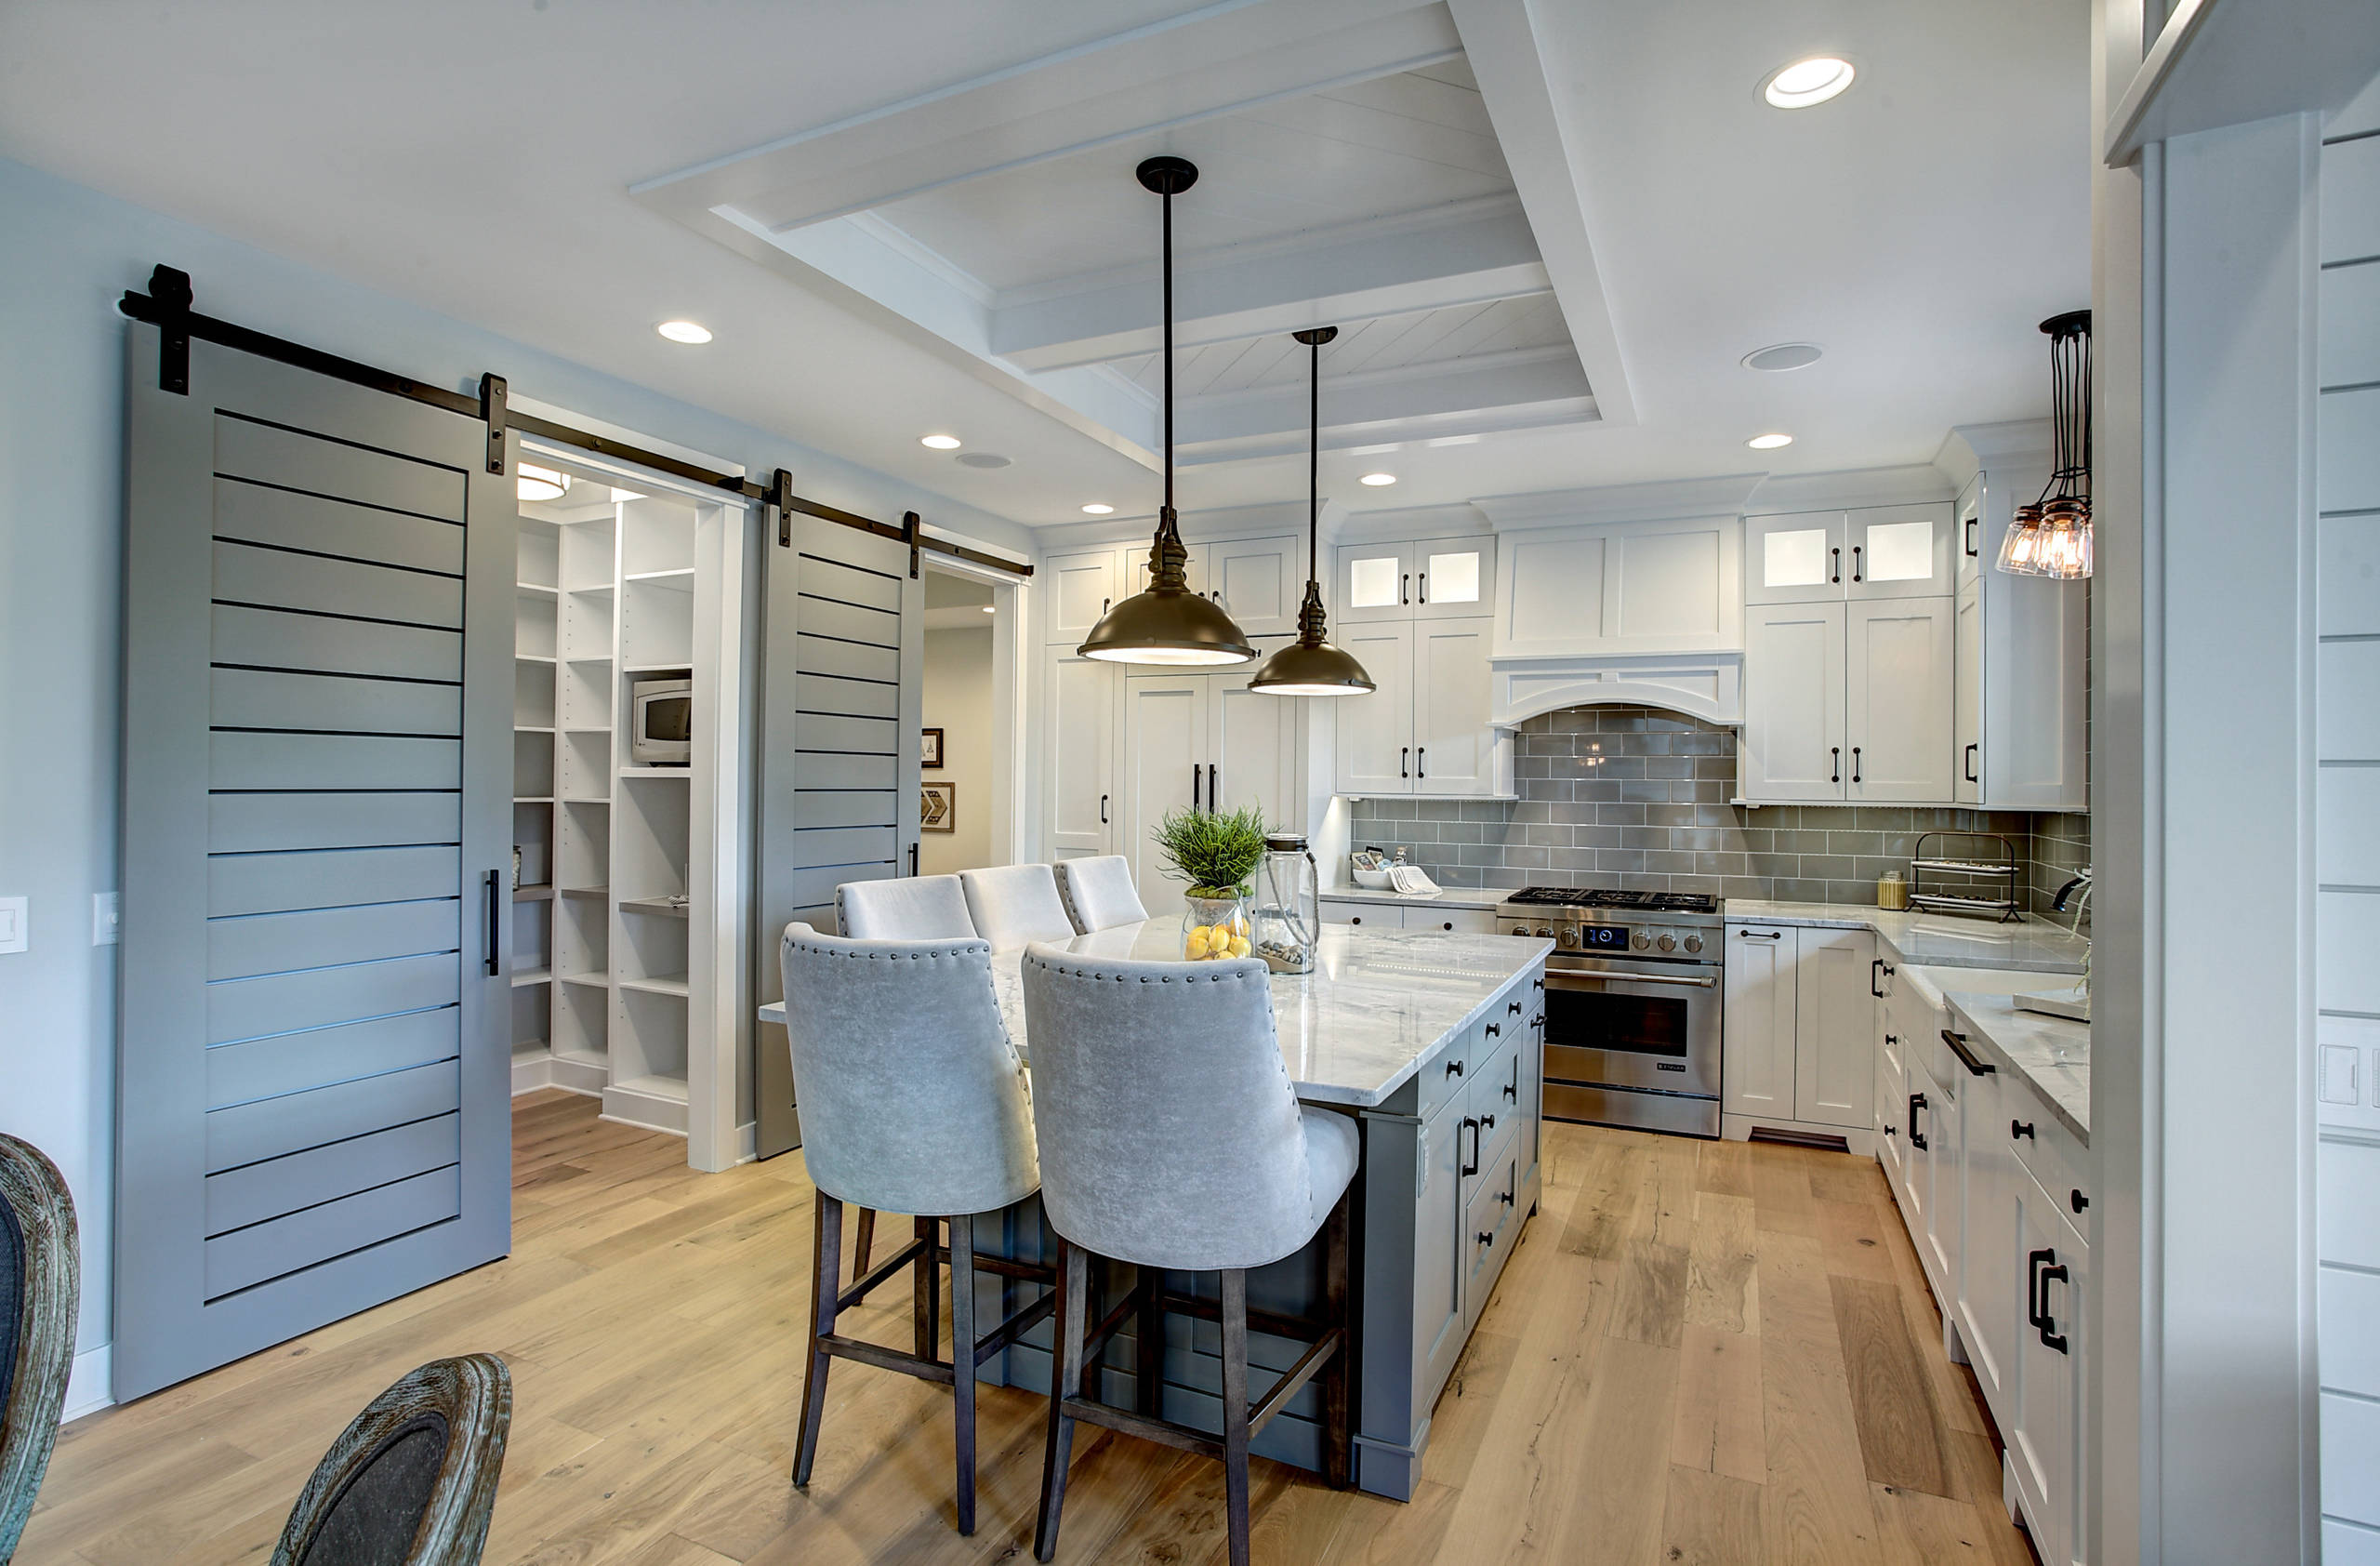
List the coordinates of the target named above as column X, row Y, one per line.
column 2052, row 536
column 1311, row 666
column 1167, row 624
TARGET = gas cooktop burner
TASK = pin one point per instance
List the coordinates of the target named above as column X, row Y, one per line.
column 1574, row 896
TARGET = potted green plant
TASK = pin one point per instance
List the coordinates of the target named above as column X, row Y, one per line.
column 1216, row 852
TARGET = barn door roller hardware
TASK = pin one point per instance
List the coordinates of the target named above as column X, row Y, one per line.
column 166, row 306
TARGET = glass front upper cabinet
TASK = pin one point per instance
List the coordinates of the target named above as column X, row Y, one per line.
column 1872, row 552
column 1428, row 579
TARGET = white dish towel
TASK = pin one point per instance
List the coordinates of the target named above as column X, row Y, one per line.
column 1408, row 880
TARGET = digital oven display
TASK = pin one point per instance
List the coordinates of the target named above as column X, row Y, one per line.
column 1608, row 937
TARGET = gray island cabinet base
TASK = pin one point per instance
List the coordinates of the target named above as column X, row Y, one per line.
column 1432, row 1041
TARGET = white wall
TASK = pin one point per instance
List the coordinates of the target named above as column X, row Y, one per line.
column 66, row 254
column 959, row 702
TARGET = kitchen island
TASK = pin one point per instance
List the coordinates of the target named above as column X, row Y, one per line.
column 1431, row 1040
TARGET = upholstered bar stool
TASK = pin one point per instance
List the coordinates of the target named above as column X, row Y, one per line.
column 916, row 908
column 1171, row 1139
column 1015, row 904
column 913, row 1100
column 1098, row 892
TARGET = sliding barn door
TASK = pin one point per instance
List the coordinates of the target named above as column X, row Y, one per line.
column 313, row 1111
column 842, row 691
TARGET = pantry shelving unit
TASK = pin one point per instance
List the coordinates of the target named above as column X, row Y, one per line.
column 613, row 968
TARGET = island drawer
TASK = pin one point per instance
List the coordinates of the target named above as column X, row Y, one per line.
column 1491, row 1226
column 1445, row 1074
column 1495, row 1087
column 2043, row 1145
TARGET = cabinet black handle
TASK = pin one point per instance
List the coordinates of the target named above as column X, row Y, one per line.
column 1103, row 810
column 1971, row 537
column 1538, row 1021
column 1404, row 759
column 1511, row 1008
column 1855, row 764
column 1473, row 1126
column 1958, row 1042
column 1103, row 608
column 492, row 966
column 1892, row 1038
column 1891, row 1130
column 1485, row 1238
column 1836, row 751
column 1454, row 1068
column 1509, row 1190
column 1538, row 985
column 2076, row 1201
column 1760, row 934
column 2019, row 1128
column 1448, row 925
column 1404, row 588
column 1487, row 1121
column 1970, row 766
column 1875, row 977
column 1214, row 788
column 1916, row 1108
column 1856, row 566
column 1422, row 761
column 1513, row 1088
column 2045, row 1269
column 1495, row 1029
column 1834, row 571
column 1425, row 587
column 913, row 858
column 1194, row 785
column 2034, row 1261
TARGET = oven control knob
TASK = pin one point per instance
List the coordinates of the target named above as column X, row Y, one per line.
column 1667, row 943
column 1641, row 942
column 1694, row 943
column 1545, row 931
column 1570, row 935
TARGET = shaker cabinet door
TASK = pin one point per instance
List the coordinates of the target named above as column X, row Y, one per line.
column 1898, row 686
column 1257, row 581
column 1454, row 746
column 1966, row 703
column 1757, row 1021
column 1440, row 1254
column 1452, row 577
column 1796, row 559
column 1373, row 583
column 1165, row 756
column 1252, row 752
column 1078, row 706
column 1834, row 1023
column 1900, row 552
column 1083, row 586
column 1376, row 731
column 1791, row 747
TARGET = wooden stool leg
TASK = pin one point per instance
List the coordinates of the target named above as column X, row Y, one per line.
column 925, row 1292
column 1235, row 1357
column 825, row 1284
column 863, row 1243
column 1149, row 1366
column 962, row 1362
column 1337, row 1436
column 1065, row 1371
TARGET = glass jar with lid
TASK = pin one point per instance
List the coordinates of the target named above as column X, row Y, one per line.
column 1288, row 905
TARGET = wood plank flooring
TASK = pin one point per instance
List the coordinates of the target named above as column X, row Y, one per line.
column 1702, row 1353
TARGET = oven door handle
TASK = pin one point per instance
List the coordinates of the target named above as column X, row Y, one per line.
column 1634, row 979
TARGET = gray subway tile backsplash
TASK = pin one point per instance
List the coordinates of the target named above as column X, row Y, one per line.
column 1637, row 797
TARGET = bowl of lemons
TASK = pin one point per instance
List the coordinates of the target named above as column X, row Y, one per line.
column 1216, row 852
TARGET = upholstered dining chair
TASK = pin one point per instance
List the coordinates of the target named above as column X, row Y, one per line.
column 1015, row 904
column 40, row 1280
column 411, row 1481
column 1098, row 892
column 915, row 908
column 1172, row 1140
column 913, row 1100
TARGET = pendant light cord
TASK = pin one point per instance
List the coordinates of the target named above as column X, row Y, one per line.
column 1314, row 469
column 1169, row 350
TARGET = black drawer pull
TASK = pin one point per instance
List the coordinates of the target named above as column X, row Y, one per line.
column 1473, row 1167
column 1916, row 1107
column 1958, row 1042
column 1512, row 1008
column 1454, row 1068
column 1488, row 1122
column 2076, row 1201
column 2019, row 1128
column 1495, row 1029
column 1485, row 1238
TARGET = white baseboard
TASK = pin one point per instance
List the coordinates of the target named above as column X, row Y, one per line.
column 87, row 1389
column 747, row 1142
column 531, row 1073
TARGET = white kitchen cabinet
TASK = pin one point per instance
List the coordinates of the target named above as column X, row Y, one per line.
column 1079, row 758
column 2045, row 1441
column 1454, row 745
column 1371, row 916
column 1429, row 579
column 1758, row 1018
column 1892, row 1128
column 1191, row 742
column 1991, row 1281
column 1258, row 582
column 1252, row 753
column 1868, row 552
column 1969, row 507
column 1621, row 589
column 1790, row 746
column 1898, row 685
column 1084, row 584
column 1375, row 743
column 1967, row 698
column 1834, row 1015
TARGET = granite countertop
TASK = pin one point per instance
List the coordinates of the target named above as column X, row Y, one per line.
column 1445, row 896
column 1937, row 940
column 2051, row 1053
column 1352, row 1032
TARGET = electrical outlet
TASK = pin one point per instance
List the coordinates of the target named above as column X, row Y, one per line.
column 13, row 920
column 107, row 917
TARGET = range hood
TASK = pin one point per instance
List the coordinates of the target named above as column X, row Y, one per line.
column 1705, row 685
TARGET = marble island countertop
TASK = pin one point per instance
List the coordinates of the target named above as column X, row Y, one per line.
column 1937, row 940
column 1352, row 1032
column 2051, row 1053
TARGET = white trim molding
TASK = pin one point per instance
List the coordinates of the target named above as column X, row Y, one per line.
column 1705, row 685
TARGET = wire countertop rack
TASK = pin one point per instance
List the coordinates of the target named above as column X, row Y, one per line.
column 1962, row 854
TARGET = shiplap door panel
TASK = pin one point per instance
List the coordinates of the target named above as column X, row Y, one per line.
column 842, row 698
column 314, row 1114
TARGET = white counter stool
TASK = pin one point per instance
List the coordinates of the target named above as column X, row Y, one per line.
column 1172, row 1140
column 1015, row 904
column 914, row 908
column 1098, row 892
column 913, row 1100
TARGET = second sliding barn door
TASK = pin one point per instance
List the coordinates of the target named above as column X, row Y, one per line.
column 313, row 1106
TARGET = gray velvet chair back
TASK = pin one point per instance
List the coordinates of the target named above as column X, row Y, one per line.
column 913, row 1098
column 1171, row 1133
column 916, row 908
column 40, row 1279
column 1098, row 892
column 412, row 1481
column 1016, row 904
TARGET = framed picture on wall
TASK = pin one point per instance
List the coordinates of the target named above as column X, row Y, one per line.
column 939, row 807
column 929, row 750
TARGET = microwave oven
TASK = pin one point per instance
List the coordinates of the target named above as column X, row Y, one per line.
column 661, row 717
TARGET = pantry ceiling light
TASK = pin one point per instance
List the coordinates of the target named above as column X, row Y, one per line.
column 1806, row 82
column 1378, row 480
column 1783, row 356
column 1098, row 509
column 684, row 331
column 940, row 443
column 1768, row 443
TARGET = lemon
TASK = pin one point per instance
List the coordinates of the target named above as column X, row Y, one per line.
column 1239, row 947
column 1194, row 947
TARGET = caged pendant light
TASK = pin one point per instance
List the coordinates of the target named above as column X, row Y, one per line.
column 2052, row 536
column 1168, row 623
column 1311, row 666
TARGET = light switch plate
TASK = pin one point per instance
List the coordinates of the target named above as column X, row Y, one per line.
column 107, row 917
column 12, row 925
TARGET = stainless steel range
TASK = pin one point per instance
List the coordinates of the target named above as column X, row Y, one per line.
column 1631, row 1004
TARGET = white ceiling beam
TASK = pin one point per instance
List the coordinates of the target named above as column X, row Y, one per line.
column 1471, row 254
column 1453, row 398
column 1216, row 60
column 1527, row 107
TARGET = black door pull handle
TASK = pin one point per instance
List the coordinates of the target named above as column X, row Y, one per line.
column 1855, row 764
column 494, row 967
column 1916, row 1107
column 1420, row 760
column 1454, row 1068
column 1194, row 785
column 1495, row 1029
column 1834, row 571
column 1103, row 810
column 1424, row 587
column 1403, row 758
column 1971, row 537
column 1836, row 751
column 1856, row 566
column 2019, row 1128
column 1404, row 588
column 1214, row 788
column 2076, row 1201
column 1473, row 1126
column 1958, row 1042
column 1970, row 767
column 1875, row 977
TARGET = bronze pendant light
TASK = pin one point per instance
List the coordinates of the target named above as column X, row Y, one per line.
column 2051, row 536
column 1311, row 666
column 1167, row 624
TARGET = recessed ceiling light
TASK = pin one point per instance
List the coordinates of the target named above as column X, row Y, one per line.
column 1376, row 479
column 985, row 459
column 1783, row 356
column 1768, row 443
column 940, row 443
column 1098, row 509
column 1806, row 82
column 533, row 483
column 684, row 331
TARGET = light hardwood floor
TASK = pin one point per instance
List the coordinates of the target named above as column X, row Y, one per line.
column 1700, row 1353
